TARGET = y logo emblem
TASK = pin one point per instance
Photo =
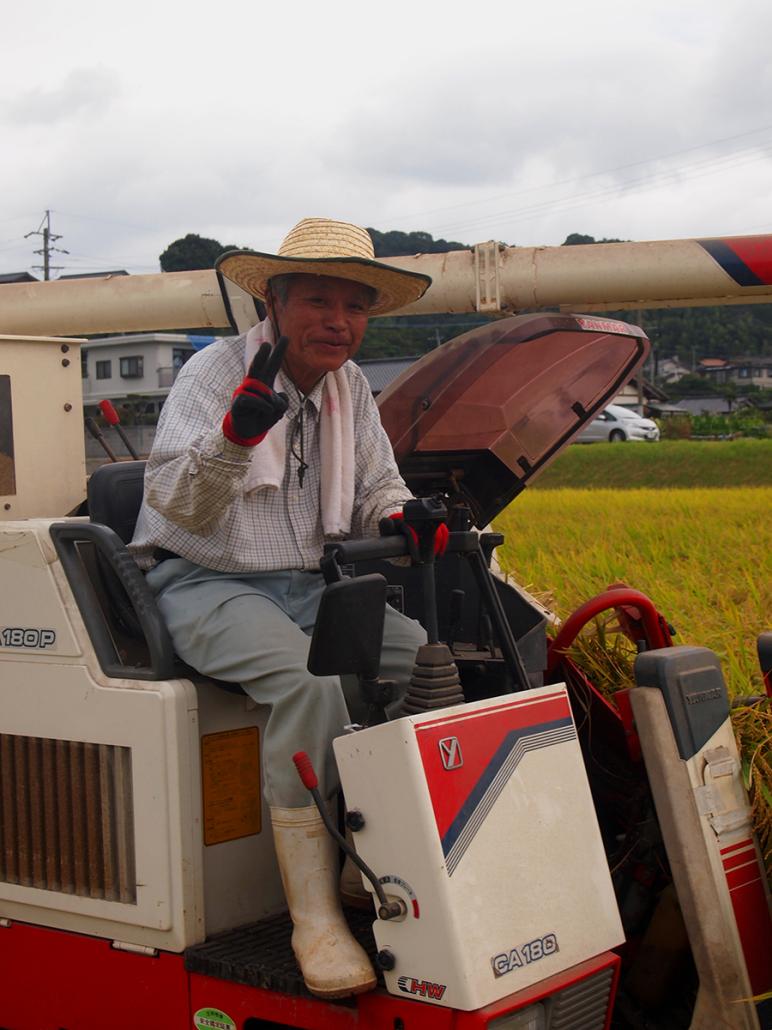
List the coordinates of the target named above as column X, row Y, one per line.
column 450, row 753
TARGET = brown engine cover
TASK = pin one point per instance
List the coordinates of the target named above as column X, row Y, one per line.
column 482, row 414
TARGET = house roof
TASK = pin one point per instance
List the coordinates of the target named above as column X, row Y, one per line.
column 754, row 362
column 26, row 277
column 94, row 275
column 672, row 363
column 649, row 391
column 381, row 372
column 668, row 409
column 721, row 364
column 17, row 277
column 710, row 405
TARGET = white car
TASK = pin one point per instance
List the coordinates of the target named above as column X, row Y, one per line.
column 616, row 425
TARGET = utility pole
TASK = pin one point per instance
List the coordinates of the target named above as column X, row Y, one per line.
column 44, row 230
column 639, row 377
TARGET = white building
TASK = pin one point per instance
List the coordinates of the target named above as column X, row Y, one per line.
column 742, row 371
column 141, row 364
column 671, row 370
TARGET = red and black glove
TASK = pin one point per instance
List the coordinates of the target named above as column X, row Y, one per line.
column 441, row 534
column 255, row 407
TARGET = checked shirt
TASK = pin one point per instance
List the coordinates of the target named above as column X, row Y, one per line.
column 195, row 505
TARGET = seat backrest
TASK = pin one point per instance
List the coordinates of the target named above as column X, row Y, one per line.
column 115, row 495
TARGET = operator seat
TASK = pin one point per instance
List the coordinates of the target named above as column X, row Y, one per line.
column 114, row 496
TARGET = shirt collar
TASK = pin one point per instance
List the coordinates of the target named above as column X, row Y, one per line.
column 294, row 395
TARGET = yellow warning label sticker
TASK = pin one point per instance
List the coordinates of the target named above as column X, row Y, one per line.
column 230, row 773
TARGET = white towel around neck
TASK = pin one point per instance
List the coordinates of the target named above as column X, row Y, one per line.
column 336, row 444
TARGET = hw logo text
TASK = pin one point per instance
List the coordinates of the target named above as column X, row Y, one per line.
column 422, row 988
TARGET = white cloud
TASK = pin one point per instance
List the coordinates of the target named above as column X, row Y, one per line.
column 82, row 92
column 513, row 121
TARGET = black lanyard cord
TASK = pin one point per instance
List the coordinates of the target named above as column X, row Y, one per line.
column 299, row 426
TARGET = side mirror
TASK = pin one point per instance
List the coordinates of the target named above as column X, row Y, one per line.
column 348, row 634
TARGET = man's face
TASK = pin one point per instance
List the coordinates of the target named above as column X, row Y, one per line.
column 324, row 320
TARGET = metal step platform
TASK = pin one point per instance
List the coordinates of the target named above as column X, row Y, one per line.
column 260, row 955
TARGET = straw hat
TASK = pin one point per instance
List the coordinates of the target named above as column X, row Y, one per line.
column 321, row 246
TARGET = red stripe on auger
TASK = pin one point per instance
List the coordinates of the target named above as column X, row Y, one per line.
column 756, row 253
column 746, row 259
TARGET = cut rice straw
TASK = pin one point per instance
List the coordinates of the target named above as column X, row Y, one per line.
column 606, row 656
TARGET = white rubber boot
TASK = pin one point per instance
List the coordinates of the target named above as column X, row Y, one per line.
column 332, row 963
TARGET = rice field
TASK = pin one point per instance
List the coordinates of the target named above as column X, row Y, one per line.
column 703, row 556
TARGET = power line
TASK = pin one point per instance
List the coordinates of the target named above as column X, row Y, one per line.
column 653, row 181
column 589, row 175
column 107, row 221
column 107, row 262
column 15, row 218
column 695, row 170
column 11, row 243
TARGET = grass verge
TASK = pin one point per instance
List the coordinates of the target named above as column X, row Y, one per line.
column 656, row 466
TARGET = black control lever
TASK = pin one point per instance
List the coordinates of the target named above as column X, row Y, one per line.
column 386, row 909
column 421, row 518
column 456, row 612
column 466, row 544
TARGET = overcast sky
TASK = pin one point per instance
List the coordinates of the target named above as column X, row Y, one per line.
column 136, row 124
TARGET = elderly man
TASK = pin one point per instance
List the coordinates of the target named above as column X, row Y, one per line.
column 243, row 487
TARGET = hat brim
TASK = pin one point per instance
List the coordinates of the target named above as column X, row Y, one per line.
column 394, row 287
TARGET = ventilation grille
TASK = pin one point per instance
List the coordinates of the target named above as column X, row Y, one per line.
column 583, row 1005
column 66, row 819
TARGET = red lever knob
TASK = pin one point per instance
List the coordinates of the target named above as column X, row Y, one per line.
column 305, row 770
column 109, row 413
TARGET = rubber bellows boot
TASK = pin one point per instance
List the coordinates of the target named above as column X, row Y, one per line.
column 332, row 963
column 352, row 889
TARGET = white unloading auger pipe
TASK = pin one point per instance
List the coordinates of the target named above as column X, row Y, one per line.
column 113, row 304
column 596, row 277
column 489, row 278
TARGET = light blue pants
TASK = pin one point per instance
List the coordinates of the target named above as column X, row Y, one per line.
column 255, row 630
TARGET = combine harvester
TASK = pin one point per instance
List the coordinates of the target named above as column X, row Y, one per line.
column 541, row 859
